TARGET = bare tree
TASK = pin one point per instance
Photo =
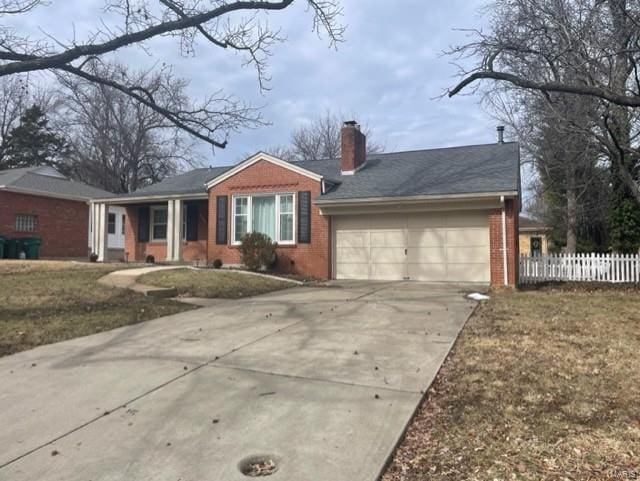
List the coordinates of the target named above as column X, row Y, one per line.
column 580, row 47
column 568, row 161
column 232, row 25
column 119, row 144
column 13, row 101
column 321, row 139
column 560, row 37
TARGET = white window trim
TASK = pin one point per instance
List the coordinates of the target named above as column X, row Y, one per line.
column 184, row 222
column 115, row 223
column 249, row 198
column 152, row 212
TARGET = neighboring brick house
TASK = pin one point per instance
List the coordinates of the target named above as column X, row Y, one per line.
column 432, row 215
column 39, row 201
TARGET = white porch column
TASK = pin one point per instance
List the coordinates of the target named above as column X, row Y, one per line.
column 177, row 230
column 170, row 231
column 174, row 230
column 100, row 231
column 91, row 241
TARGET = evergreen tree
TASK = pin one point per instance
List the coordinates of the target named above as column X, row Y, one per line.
column 32, row 142
column 624, row 217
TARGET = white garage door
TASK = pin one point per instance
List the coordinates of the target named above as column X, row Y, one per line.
column 449, row 246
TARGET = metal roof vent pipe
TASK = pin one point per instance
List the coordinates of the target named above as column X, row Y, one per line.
column 500, row 130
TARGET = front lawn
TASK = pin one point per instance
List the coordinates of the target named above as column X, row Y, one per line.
column 43, row 302
column 542, row 385
column 214, row 283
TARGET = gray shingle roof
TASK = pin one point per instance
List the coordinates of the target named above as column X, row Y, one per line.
column 48, row 181
column 455, row 170
column 528, row 223
column 192, row 182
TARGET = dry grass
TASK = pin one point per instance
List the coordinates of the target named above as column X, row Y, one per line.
column 46, row 301
column 542, row 385
column 214, row 283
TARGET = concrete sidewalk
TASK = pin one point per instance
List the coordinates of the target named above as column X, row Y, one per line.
column 128, row 279
column 321, row 380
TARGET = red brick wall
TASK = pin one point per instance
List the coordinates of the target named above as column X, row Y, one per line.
column 305, row 259
column 353, row 148
column 138, row 251
column 495, row 240
column 62, row 224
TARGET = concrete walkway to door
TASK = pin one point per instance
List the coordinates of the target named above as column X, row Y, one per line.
column 321, row 380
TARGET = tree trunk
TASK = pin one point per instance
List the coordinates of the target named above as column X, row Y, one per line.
column 572, row 220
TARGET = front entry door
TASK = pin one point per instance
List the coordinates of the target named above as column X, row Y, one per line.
column 536, row 246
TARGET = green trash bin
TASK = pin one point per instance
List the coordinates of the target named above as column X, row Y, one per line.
column 13, row 248
column 31, row 246
column 3, row 241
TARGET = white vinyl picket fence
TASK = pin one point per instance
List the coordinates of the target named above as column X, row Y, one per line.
column 580, row 268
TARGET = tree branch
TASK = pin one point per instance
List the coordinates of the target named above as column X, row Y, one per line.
column 74, row 53
column 558, row 87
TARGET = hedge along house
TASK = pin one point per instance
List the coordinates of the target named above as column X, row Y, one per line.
column 446, row 215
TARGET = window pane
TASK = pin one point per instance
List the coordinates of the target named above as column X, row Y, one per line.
column 123, row 223
column 111, row 224
column 263, row 215
column 25, row 223
column 160, row 216
column 286, row 227
column 160, row 231
column 241, row 205
column 240, row 227
column 286, row 204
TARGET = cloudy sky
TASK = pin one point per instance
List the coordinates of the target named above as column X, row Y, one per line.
column 389, row 71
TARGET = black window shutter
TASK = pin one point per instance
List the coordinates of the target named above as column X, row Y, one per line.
column 192, row 222
column 304, row 217
column 221, row 219
column 143, row 224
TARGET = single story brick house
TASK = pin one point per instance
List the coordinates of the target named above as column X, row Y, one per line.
column 447, row 214
column 40, row 201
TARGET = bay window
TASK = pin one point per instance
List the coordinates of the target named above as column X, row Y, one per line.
column 271, row 215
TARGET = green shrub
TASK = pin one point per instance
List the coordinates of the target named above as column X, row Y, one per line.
column 150, row 259
column 257, row 251
column 217, row 264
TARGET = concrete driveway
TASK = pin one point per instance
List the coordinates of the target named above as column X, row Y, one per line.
column 322, row 380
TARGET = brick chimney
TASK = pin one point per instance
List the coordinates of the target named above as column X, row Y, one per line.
column 353, row 148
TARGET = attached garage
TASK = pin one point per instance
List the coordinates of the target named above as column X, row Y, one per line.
column 425, row 246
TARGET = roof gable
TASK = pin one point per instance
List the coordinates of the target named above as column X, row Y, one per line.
column 268, row 158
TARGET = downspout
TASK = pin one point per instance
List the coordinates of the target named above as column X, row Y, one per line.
column 505, row 265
